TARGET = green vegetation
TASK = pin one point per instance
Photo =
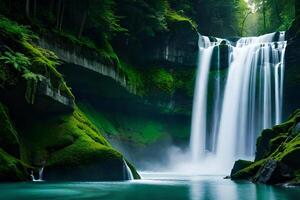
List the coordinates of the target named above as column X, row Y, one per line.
column 161, row 80
column 282, row 13
column 282, row 144
column 69, row 142
column 12, row 169
column 32, row 62
column 139, row 129
column 8, row 135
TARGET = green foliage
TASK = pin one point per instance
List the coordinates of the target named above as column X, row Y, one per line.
column 174, row 16
column 60, row 132
column 282, row 13
column 12, row 169
column 30, row 60
column 18, row 60
column 134, row 78
column 11, row 28
column 162, row 80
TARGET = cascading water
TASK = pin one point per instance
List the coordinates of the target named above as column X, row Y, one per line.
column 127, row 172
column 249, row 101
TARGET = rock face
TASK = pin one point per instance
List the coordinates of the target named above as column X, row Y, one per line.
column 273, row 172
column 11, row 168
column 177, row 47
column 84, row 57
column 292, row 64
column 40, row 126
column 238, row 165
column 9, row 141
column 277, row 156
column 49, row 99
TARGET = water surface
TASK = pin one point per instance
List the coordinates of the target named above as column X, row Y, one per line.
column 154, row 186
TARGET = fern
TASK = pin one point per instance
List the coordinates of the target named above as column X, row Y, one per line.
column 18, row 60
column 28, row 75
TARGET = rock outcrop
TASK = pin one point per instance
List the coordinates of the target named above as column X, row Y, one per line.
column 277, row 155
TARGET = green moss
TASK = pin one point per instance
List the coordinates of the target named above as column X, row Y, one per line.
column 105, row 52
column 239, row 165
column 175, row 17
column 8, row 135
column 139, row 129
column 12, row 169
column 71, row 144
column 159, row 81
column 262, row 144
column 40, row 61
column 134, row 78
column 58, row 133
column 14, row 30
column 248, row 172
column 277, row 144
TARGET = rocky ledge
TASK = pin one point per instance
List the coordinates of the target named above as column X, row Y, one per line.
column 277, row 156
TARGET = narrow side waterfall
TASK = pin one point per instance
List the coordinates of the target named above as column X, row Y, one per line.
column 245, row 98
column 127, row 172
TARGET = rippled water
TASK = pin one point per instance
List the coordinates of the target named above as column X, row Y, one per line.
column 153, row 186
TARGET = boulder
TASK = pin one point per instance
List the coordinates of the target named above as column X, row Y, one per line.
column 273, row 172
column 239, row 165
column 262, row 143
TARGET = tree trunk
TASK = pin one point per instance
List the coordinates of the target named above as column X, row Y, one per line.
column 27, row 8
column 244, row 21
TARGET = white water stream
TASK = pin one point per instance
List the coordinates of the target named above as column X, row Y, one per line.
column 249, row 100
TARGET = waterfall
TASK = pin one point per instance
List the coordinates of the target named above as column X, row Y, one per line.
column 127, row 172
column 41, row 171
column 249, row 99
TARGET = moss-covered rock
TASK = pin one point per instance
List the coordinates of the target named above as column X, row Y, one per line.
column 71, row 148
column 262, row 144
column 8, row 135
column 248, row 172
column 277, row 156
column 12, row 169
column 239, row 165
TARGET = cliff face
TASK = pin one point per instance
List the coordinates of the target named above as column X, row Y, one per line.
column 292, row 64
column 41, row 127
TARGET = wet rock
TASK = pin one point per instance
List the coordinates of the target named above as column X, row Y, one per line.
column 273, row 172
column 50, row 99
column 239, row 165
column 262, row 144
column 296, row 129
